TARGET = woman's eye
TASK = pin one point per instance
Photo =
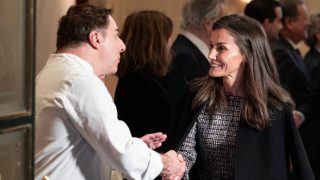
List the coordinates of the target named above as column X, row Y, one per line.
column 220, row 48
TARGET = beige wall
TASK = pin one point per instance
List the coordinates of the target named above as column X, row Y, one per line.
column 48, row 13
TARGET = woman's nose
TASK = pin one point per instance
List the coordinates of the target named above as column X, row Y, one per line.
column 212, row 54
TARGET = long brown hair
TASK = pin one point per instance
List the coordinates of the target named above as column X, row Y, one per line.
column 263, row 92
column 146, row 35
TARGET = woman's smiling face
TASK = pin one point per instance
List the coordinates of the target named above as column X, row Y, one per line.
column 225, row 56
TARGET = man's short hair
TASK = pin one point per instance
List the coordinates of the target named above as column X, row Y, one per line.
column 75, row 27
column 261, row 10
column 289, row 8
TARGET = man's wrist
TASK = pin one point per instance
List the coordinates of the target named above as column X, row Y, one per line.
column 302, row 116
column 164, row 160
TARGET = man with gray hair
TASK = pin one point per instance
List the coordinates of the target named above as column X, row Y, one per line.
column 191, row 48
column 190, row 52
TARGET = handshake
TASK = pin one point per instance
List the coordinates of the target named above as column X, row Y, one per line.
column 173, row 164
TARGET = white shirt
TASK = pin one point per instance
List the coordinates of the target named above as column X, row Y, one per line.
column 203, row 47
column 78, row 135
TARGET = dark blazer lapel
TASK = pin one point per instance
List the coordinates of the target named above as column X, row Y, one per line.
column 202, row 59
column 312, row 60
column 297, row 59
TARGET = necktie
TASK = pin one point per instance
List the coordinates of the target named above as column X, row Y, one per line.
column 298, row 52
column 299, row 61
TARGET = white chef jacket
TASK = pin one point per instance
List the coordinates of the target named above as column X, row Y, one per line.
column 78, row 135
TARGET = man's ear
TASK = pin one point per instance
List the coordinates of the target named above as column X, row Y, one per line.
column 288, row 22
column 207, row 24
column 266, row 23
column 95, row 39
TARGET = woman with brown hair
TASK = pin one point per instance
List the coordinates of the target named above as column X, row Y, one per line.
column 244, row 128
column 142, row 101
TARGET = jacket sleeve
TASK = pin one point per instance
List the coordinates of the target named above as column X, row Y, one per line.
column 188, row 149
column 95, row 117
column 299, row 159
column 135, row 102
column 294, row 81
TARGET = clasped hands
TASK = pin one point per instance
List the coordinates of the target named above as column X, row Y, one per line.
column 173, row 164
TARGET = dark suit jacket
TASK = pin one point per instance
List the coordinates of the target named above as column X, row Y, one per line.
column 310, row 131
column 295, row 78
column 188, row 63
column 144, row 104
column 293, row 75
column 264, row 155
column 312, row 62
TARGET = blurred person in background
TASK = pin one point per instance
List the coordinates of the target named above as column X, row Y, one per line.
column 294, row 76
column 142, row 101
column 269, row 14
column 312, row 62
column 190, row 57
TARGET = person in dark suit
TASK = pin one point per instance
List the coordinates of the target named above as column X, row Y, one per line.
column 312, row 58
column 190, row 55
column 312, row 62
column 244, row 128
column 142, row 102
column 294, row 75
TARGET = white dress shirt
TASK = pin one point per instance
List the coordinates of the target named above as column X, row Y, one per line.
column 78, row 135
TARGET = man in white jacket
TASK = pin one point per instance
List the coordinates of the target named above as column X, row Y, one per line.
column 78, row 135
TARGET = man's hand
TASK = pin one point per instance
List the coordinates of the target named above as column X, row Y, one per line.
column 297, row 116
column 154, row 140
column 173, row 166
